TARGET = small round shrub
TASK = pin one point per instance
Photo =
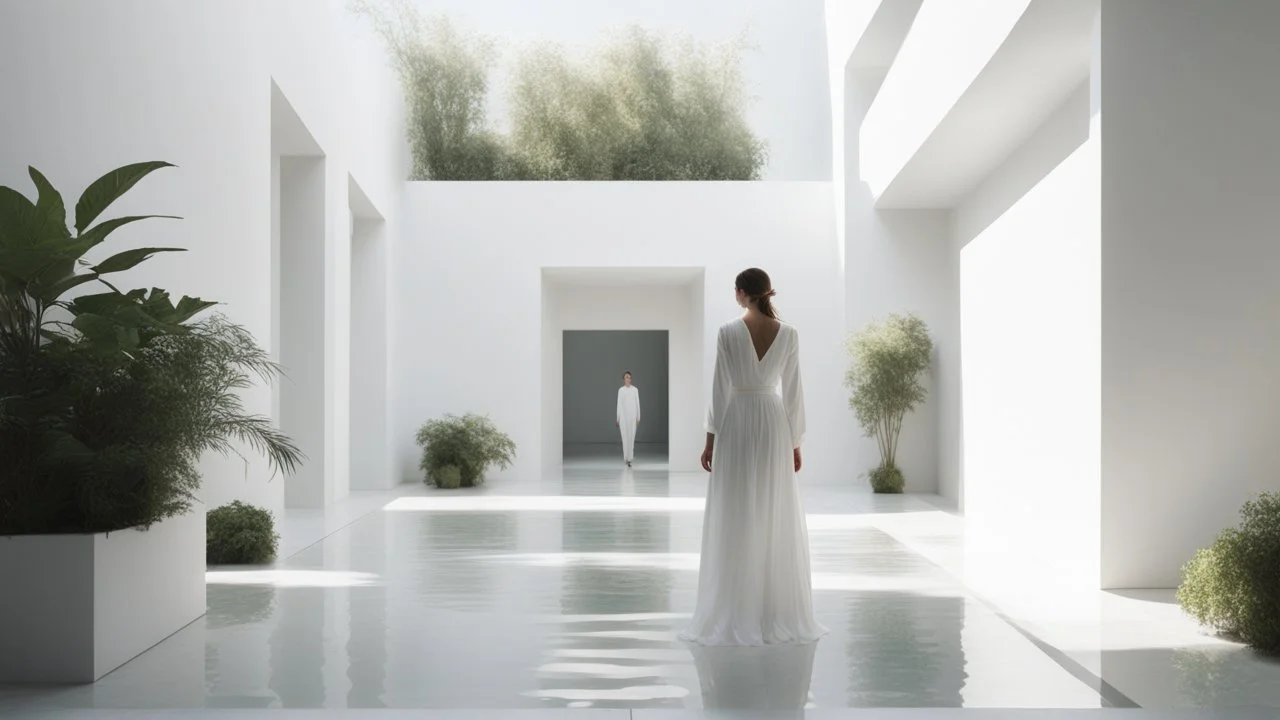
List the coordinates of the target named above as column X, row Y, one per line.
column 887, row 479
column 1233, row 586
column 240, row 534
column 470, row 444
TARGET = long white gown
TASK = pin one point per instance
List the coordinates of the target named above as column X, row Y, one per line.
column 754, row 585
column 628, row 418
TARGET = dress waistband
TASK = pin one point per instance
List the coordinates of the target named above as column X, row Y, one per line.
column 755, row 390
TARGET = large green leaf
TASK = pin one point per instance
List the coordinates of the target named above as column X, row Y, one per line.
column 107, row 303
column 108, row 188
column 159, row 306
column 189, row 307
column 129, row 259
column 18, row 218
column 95, row 235
column 50, row 209
column 106, row 334
column 51, row 293
column 20, row 264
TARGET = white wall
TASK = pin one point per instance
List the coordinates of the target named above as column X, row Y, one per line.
column 1189, row 298
column 197, row 93
column 948, row 46
column 1029, row 297
column 488, row 242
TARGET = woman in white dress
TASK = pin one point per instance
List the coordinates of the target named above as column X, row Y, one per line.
column 754, row 586
column 628, row 417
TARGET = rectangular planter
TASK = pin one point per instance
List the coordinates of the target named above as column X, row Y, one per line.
column 75, row 607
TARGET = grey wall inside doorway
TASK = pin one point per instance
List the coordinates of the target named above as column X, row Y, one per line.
column 594, row 361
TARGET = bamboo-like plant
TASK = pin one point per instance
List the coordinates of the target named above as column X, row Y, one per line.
column 108, row 399
column 457, row 451
column 644, row 106
column 886, row 363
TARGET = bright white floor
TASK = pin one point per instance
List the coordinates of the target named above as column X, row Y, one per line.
column 562, row 595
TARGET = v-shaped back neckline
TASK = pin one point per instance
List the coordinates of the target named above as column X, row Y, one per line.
column 759, row 358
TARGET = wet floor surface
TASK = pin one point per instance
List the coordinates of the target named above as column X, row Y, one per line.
column 568, row 593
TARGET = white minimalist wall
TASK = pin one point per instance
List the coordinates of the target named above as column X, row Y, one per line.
column 488, row 243
column 1029, row 244
column 948, row 46
column 1189, row 294
column 198, row 93
column 638, row 307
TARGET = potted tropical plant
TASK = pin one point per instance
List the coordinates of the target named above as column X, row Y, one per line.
column 886, row 363
column 457, row 451
column 108, row 400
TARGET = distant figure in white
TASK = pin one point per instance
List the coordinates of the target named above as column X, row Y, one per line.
column 628, row 417
column 754, row 586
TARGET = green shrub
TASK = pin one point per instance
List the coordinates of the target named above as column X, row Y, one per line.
column 1233, row 586
column 457, row 451
column 887, row 479
column 448, row 477
column 641, row 108
column 109, row 399
column 240, row 534
column 886, row 363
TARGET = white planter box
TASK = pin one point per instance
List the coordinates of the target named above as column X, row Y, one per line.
column 75, row 607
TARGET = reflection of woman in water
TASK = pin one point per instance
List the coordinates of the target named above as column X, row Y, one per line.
column 628, row 416
column 770, row 678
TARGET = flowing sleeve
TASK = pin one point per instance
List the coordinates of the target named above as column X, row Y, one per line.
column 793, row 391
column 637, row 405
column 719, row 387
column 618, row 413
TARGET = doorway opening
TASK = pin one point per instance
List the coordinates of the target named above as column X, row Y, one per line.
column 298, row 212
column 594, row 363
column 370, row 458
column 600, row 322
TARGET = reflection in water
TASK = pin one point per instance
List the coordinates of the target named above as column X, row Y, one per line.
column 450, row 577
column 297, row 649
column 367, row 624
column 769, row 678
column 236, row 663
column 232, row 605
column 904, row 649
column 612, row 615
column 1221, row 677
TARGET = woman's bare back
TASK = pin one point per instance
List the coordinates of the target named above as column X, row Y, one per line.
column 764, row 331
